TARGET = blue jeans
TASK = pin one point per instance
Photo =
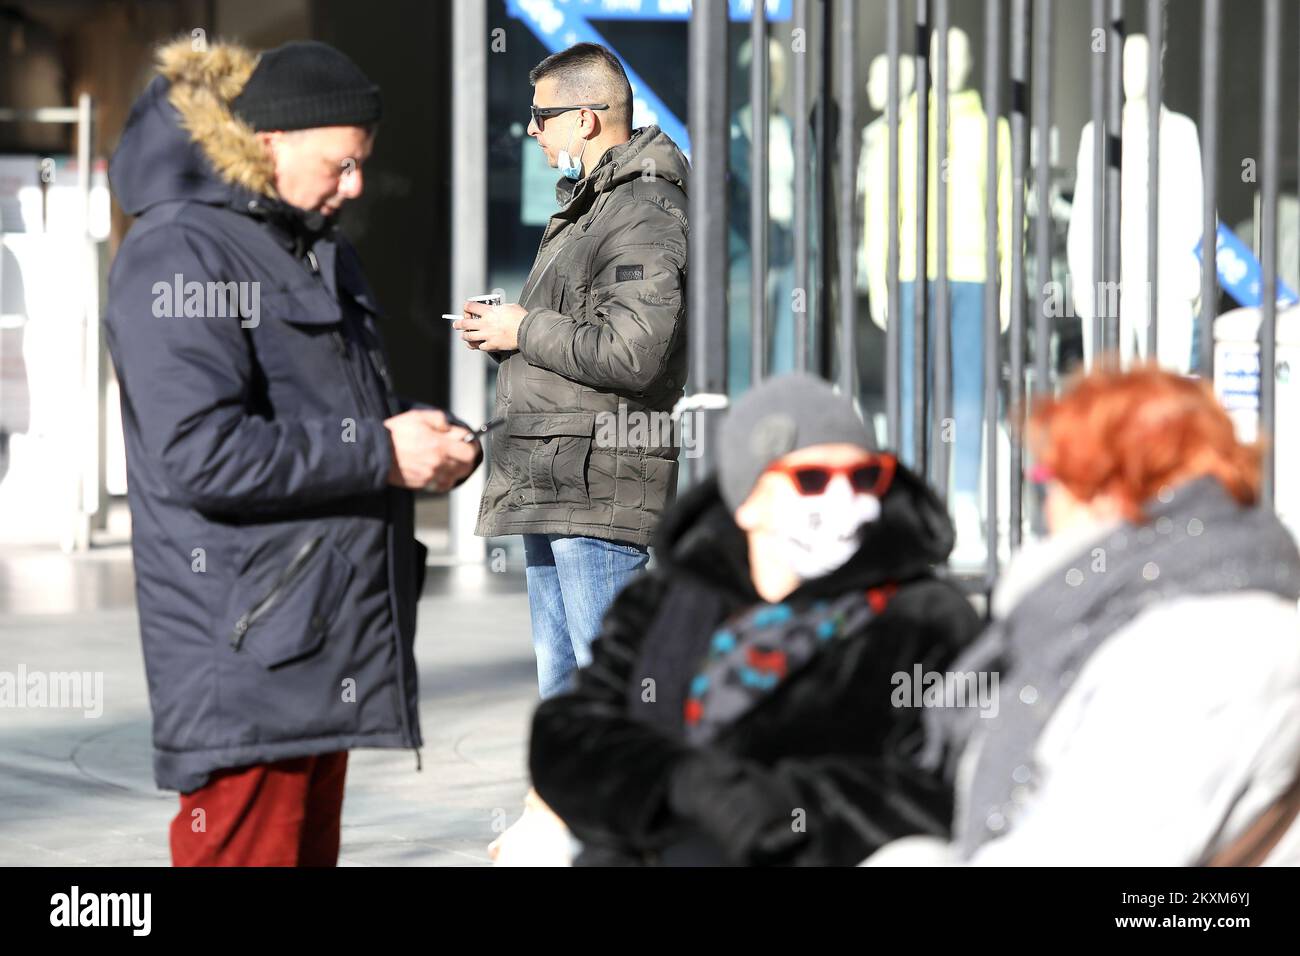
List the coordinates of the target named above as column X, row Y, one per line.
column 780, row 319
column 966, row 313
column 571, row 582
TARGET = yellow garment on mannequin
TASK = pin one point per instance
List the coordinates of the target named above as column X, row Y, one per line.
column 967, row 180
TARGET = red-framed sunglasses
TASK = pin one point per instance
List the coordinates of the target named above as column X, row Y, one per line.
column 871, row 477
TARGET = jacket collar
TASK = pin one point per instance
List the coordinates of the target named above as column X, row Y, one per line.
column 574, row 195
column 298, row 230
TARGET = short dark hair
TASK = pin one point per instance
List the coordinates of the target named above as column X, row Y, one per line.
column 589, row 73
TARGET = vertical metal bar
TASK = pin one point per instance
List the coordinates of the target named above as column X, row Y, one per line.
column 758, row 158
column 469, row 249
column 1019, row 168
column 1155, row 96
column 992, row 270
column 89, row 485
column 920, row 298
column 893, row 340
column 799, row 92
column 1042, row 92
column 707, row 276
column 1114, row 130
column 943, row 357
column 1210, row 182
column 818, row 328
column 1043, row 318
column 1097, row 86
column 1268, row 180
column 845, row 64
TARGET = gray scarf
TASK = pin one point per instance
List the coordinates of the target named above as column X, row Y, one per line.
column 1198, row 541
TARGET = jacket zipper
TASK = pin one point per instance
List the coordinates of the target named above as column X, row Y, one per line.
column 602, row 195
column 249, row 617
column 360, row 393
column 536, row 282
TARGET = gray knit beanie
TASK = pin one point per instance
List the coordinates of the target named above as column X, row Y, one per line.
column 783, row 414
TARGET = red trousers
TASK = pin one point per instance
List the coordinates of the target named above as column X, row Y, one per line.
column 285, row 813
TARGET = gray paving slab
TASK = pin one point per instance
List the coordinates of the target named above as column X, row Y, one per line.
column 78, row 790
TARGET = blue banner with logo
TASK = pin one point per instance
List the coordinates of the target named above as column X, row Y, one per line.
column 1240, row 273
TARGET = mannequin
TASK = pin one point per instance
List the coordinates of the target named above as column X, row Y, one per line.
column 1179, row 227
column 967, row 188
column 873, row 184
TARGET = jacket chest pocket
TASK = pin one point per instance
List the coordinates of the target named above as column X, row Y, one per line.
column 548, row 456
column 288, row 617
column 572, row 278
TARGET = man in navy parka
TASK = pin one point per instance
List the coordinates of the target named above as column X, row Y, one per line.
column 271, row 466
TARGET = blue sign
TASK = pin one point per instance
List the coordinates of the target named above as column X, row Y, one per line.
column 559, row 24
column 1240, row 273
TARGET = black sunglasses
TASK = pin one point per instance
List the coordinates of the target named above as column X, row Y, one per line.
column 542, row 113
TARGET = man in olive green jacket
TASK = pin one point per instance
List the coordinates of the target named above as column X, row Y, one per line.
column 592, row 358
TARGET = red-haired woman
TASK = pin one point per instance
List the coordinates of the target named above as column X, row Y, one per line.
column 1148, row 651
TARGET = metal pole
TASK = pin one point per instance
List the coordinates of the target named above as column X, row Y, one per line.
column 992, row 270
column 1155, row 95
column 920, row 300
column 1042, row 106
column 1268, row 179
column 893, row 340
column 1097, row 84
column 758, row 157
column 1210, row 172
column 469, row 262
column 707, row 277
column 91, row 484
column 799, row 91
column 1042, row 93
column 848, row 93
column 1114, row 130
column 943, row 357
column 818, row 330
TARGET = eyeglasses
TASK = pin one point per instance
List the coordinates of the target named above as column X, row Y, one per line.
column 871, row 477
column 542, row 113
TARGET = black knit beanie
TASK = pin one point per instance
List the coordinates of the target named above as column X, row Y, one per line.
column 305, row 84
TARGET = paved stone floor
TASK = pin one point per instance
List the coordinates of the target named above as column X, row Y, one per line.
column 76, row 790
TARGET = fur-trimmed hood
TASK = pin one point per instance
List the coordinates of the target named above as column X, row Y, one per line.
column 182, row 141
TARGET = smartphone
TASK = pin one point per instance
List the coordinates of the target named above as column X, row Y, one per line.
column 483, row 430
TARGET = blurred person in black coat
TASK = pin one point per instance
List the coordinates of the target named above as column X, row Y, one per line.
column 742, row 706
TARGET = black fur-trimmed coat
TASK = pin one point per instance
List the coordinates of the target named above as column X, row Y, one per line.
column 821, row 772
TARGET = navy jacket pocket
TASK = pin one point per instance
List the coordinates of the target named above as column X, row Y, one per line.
column 290, row 619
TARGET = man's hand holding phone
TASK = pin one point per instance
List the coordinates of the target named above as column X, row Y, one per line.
column 428, row 451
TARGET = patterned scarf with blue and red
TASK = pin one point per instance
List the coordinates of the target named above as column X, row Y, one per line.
column 749, row 656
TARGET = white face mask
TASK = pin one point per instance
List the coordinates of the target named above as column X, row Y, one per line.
column 570, row 166
column 819, row 533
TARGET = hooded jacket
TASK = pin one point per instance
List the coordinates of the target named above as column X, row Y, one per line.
column 822, row 771
column 588, row 448
column 276, row 570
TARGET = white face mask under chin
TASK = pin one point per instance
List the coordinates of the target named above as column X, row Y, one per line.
column 569, row 166
column 817, row 534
